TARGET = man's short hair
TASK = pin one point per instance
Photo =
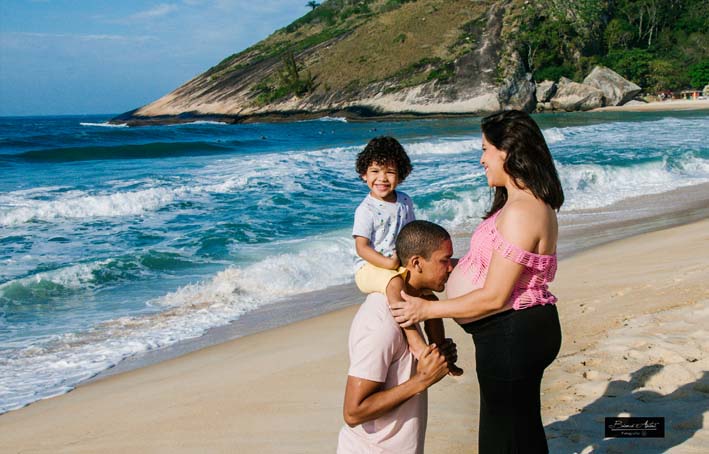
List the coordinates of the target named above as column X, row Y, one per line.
column 419, row 238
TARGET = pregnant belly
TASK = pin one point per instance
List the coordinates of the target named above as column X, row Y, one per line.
column 459, row 283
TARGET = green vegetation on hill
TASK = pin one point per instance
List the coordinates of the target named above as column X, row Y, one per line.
column 344, row 54
column 658, row 44
column 402, row 42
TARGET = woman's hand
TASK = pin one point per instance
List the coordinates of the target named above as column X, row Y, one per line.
column 410, row 311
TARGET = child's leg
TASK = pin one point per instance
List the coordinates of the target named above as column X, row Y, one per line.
column 416, row 342
column 436, row 333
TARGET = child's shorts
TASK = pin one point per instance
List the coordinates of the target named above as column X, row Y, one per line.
column 372, row 279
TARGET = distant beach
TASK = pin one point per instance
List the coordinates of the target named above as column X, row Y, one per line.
column 659, row 106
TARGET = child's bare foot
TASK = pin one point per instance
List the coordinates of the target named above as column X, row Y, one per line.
column 454, row 370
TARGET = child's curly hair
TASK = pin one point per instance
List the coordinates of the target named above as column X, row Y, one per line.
column 384, row 150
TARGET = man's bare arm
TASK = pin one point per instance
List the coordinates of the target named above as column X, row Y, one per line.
column 365, row 400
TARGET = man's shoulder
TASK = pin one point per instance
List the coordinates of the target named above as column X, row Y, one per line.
column 374, row 316
column 375, row 307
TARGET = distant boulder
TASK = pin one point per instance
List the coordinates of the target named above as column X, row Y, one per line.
column 517, row 93
column 572, row 96
column 545, row 90
column 705, row 92
column 615, row 88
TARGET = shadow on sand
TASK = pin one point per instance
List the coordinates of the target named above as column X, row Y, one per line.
column 683, row 410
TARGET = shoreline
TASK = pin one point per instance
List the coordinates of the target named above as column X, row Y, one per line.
column 659, row 106
column 585, row 230
column 252, row 393
column 367, row 114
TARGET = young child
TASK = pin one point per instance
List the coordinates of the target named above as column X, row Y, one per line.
column 383, row 164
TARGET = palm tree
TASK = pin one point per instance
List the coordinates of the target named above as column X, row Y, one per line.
column 313, row 4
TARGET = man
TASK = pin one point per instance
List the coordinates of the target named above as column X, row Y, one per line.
column 386, row 403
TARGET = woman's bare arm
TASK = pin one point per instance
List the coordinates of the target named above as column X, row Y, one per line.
column 502, row 276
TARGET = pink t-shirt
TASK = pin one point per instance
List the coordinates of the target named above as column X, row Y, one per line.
column 379, row 352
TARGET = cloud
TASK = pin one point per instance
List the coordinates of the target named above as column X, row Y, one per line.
column 160, row 10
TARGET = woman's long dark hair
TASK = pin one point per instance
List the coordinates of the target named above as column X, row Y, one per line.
column 528, row 160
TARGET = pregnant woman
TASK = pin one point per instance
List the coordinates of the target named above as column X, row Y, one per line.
column 498, row 291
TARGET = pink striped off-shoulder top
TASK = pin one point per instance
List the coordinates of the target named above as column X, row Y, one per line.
column 531, row 288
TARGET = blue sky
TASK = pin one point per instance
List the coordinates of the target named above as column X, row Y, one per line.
column 84, row 57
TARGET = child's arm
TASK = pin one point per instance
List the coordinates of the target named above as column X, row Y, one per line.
column 436, row 333
column 367, row 252
column 417, row 344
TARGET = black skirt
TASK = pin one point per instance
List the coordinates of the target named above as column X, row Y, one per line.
column 512, row 349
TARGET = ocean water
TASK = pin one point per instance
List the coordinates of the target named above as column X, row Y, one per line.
column 117, row 240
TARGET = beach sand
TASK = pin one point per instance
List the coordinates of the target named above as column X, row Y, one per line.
column 671, row 104
column 634, row 318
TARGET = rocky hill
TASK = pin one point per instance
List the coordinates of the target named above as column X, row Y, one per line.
column 371, row 58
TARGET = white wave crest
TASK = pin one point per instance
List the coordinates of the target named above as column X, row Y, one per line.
column 201, row 122
column 594, row 186
column 553, row 135
column 40, row 371
column 459, row 214
column 70, row 277
column 77, row 205
column 340, row 119
column 16, row 208
column 105, row 125
column 321, row 264
column 443, row 147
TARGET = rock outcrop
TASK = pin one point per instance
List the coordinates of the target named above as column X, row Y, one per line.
column 397, row 59
column 422, row 58
column 571, row 96
column 474, row 87
column 616, row 90
column 518, row 90
column 545, row 90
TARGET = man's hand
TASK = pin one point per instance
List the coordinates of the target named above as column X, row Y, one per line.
column 432, row 367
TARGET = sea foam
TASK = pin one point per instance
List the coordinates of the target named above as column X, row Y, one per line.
column 53, row 367
column 443, row 147
column 105, row 125
column 340, row 119
column 77, row 276
column 16, row 208
column 594, row 186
